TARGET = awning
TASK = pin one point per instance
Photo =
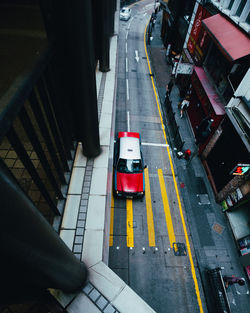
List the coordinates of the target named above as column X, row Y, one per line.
column 231, row 40
column 213, row 97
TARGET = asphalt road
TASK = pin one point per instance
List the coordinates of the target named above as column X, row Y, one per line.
column 142, row 251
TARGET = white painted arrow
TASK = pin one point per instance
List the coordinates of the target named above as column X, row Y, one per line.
column 136, row 56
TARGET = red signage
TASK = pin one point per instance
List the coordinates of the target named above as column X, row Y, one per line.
column 198, row 37
column 240, row 169
column 195, row 30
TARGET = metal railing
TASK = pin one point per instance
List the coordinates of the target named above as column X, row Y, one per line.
column 219, row 291
column 36, row 137
column 175, row 136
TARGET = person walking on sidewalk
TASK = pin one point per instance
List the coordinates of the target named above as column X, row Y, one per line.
column 230, row 280
column 169, row 87
column 184, row 105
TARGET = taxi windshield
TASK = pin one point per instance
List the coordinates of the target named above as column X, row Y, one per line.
column 129, row 166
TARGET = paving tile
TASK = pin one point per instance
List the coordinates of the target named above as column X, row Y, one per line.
column 99, row 181
column 79, row 239
column 96, row 212
column 108, row 93
column 89, row 172
column 82, row 216
column 109, row 309
column 107, row 106
column 105, row 120
column 85, row 189
column 104, row 133
column 88, row 288
column 101, row 302
column 84, row 202
column 86, row 184
column 109, row 284
column 71, row 211
column 78, row 255
column 87, row 178
column 94, row 294
column 79, row 231
column 80, row 223
column 77, row 248
column 102, row 159
column 76, row 180
column 68, row 235
column 85, row 196
column 80, row 159
column 83, row 209
column 92, row 247
column 82, row 304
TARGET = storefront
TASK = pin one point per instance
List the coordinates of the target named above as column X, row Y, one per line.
column 198, row 39
column 236, row 206
column 205, row 106
column 230, row 40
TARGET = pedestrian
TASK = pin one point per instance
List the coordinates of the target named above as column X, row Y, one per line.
column 230, row 280
column 204, row 130
column 184, row 105
column 169, row 87
column 187, row 154
column 181, row 98
column 153, row 19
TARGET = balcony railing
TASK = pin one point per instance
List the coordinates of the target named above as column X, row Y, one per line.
column 36, row 137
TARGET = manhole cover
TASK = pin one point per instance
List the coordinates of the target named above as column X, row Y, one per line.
column 218, row 228
column 179, row 249
column 133, row 70
column 144, row 58
column 203, row 199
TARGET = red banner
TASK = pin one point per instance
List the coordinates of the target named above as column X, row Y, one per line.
column 195, row 30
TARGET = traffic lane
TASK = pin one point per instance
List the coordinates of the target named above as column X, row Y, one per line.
column 159, row 283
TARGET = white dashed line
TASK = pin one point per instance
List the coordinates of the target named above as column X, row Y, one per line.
column 127, row 90
column 128, row 121
column 154, row 144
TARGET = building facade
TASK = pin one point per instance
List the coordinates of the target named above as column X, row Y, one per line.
column 214, row 69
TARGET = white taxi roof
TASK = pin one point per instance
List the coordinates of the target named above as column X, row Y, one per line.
column 130, row 148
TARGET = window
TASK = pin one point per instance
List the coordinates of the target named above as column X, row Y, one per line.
column 218, row 68
column 241, row 7
column 230, row 4
column 248, row 18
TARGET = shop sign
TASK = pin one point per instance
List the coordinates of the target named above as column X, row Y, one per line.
column 240, row 169
column 185, row 68
column 232, row 199
column 197, row 42
column 195, row 30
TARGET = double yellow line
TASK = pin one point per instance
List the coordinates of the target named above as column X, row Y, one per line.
column 150, row 219
column 175, row 184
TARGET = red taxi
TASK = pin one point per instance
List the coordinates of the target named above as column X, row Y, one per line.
column 128, row 166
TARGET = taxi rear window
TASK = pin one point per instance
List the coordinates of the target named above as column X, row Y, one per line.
column 129, row 166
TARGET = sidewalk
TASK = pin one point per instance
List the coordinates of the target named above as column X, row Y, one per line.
column 211, row 233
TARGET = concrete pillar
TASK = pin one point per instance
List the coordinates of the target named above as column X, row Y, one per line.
column 71, row 32
column 33, row 257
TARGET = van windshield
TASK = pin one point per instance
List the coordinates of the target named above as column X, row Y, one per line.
column 129, row 166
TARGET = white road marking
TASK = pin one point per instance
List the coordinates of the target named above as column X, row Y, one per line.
column 127, row 90
column 126, row 47
column 154, row 144
column 126, row 35
column 144, row 14
column 126, row 64
column 130, row 22
column 128, row 121
column 136, row 56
